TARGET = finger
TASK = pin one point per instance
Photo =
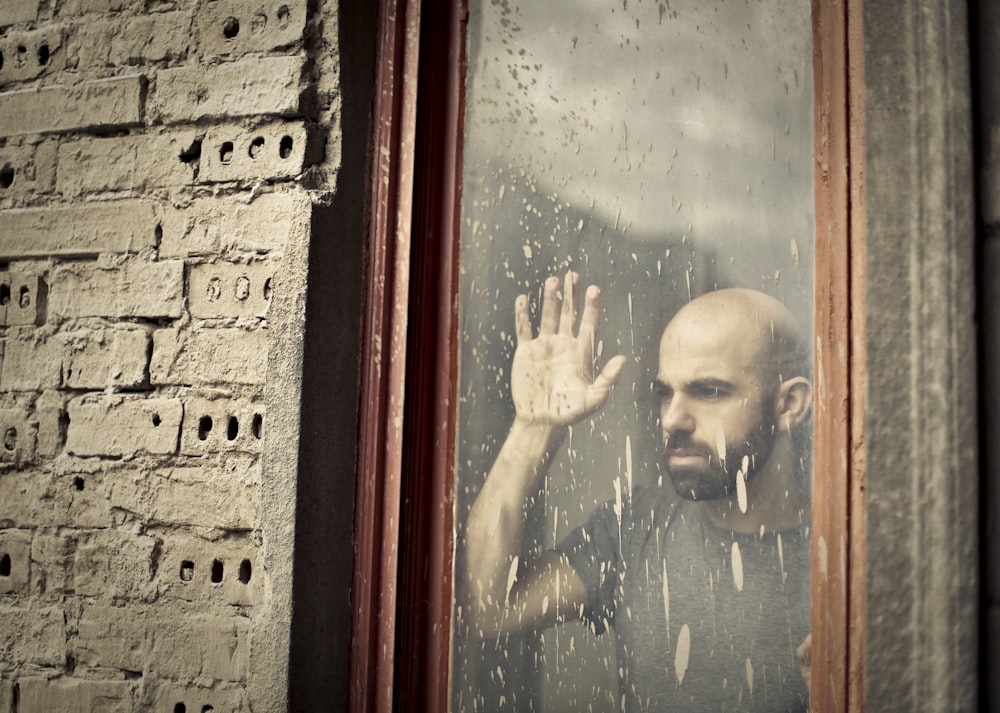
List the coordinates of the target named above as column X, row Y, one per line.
column 567, row 321
column 522, row 319
column 591, row 308
column 550, row 307
column 599, row 391
column 587, row 336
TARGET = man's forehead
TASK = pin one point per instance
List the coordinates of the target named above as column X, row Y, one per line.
column 702, row 344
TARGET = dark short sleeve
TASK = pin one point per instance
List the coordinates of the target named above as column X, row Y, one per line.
column 593, row 550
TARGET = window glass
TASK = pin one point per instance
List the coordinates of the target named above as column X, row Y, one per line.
column 662, row 151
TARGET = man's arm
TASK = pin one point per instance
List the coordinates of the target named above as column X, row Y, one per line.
column 553, row 387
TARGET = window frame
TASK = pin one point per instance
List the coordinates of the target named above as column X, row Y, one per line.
column 402, row 586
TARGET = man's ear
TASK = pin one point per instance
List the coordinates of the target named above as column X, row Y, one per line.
column 794, row 401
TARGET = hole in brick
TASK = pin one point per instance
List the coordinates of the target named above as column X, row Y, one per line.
column 204, row 427
column 255, row 427
column 157, row 235
column 156, row 420
column 246, row 571
column 242, row 288
column 207, row 709
column 233, row 429
column 230, row 28
column 285, row 147
column 192, row 152
column 5, row 565
column 6, row 176
column 78, row 483
column 187, row 570
column 24, row 297
column 214, row 289
column 258, row 24
column 216, row 571
column 1, row 60
column 10, row 438
column 22, row 52
column 180, row 708
column 43, row 55
column 268, row 290
column 226, row 152
column 4, row 294
column 283, row 15
column 256, row 147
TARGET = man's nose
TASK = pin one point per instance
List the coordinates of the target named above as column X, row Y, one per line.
column 675, row 416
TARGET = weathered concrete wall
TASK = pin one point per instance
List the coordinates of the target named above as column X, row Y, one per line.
column 921, row 648
column 167, row 167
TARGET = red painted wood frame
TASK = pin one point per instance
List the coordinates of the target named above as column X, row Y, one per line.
column 401, row 588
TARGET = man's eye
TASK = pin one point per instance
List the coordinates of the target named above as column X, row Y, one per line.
column 708, row 392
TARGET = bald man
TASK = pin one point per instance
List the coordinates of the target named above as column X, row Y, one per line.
column 705, row 584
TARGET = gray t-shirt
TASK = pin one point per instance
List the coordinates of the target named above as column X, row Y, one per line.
column 705, row 619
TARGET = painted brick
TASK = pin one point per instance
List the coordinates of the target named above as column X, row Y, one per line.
column 73, row 695
column 246, row 87
column 134, row 289
column 112, row 637
column 114, row 564
column 236, row 26
column 118, row 427
column 220, row 424
column 18, row 436
column 201, row 647
column 211, row 226
column 226, row 497
column 31, row 362
column 274, row 151
column 50, row 411
column 23, row 299
column 91, row 229
column 226, row 571
column 201, row 356
column 173, row 697
column 28, row 55
column 151, row 38
column 26, row 170
column 127, row 163
column 34, row 499
column 16, row 11
column 101, row 104
column 52, row 559
column 97, row 359
column 37, row 635
column 223, row 289
column 15, row 561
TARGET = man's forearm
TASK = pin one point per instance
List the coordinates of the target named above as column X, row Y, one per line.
column 497, row 521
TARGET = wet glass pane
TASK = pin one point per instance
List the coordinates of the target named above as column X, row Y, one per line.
column 644, row 547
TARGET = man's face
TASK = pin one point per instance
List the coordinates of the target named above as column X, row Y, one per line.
column 716, row 414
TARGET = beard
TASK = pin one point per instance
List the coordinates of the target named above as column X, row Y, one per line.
column 706, row 477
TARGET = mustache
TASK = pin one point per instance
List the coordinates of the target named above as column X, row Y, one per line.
column 683, row 442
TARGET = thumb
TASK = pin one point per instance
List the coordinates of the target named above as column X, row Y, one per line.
column 601, row 388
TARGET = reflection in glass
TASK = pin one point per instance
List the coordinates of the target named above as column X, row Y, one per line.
column 661, row 151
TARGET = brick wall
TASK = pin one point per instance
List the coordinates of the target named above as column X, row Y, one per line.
column 160, row 164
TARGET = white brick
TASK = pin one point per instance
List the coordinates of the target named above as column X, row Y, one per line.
column 222, row 572
column 201, row 647
column 223, row 289
column 112, row 637
column 6, row 696
column 18, row 436
column 117, row 427
column 91, row 229
column 134, row 289
column 104, row 103
column 170, row 696
column 23, row 298
column 15, row 558
column 97, row 359
column 247, row 87
column 72, row 695
column 273, row 151
column 37, row 635
column 223, row 355
column 216, row 425
column 52, row 559
column 17, row 11
column 127, row 163
column 225, row 497
column 26, row 170
column 28, row 55
column 114, row 565
column 31, row 362
column 35, row 499
column 151, row 38
column 50, row 411
column 211, row 226
column 237, row 27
